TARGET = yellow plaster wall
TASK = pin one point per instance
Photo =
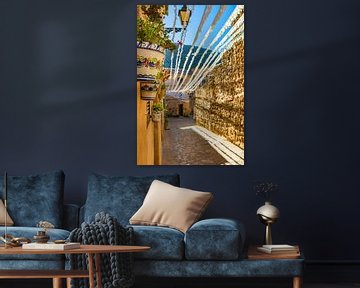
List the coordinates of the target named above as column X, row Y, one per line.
column 149, row 135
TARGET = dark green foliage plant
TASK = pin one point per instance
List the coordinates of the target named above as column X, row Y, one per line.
column 150, row 28
column 158, row 107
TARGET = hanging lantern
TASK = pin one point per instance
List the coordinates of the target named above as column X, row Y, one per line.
column 184, row 14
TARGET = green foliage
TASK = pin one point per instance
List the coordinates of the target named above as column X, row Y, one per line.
column 155, row 13
column 151, row 27
column 158, row 107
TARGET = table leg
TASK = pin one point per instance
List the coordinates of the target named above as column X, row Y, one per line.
column 98, row 270
column 57, row 283
column 68, row 282
column 91, row 270
column 297, row 282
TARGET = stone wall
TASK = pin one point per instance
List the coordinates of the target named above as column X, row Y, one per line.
column 219, row 101
column 173, row 107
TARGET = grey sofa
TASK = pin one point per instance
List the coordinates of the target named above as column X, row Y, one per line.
column 210, row 248
column 32, row 199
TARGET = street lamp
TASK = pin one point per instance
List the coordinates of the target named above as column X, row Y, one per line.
column 184, row 15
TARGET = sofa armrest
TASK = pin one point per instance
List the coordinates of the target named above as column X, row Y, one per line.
column 215, row 239
column 71, row 216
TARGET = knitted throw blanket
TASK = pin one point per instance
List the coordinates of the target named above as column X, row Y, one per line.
column 116, row 268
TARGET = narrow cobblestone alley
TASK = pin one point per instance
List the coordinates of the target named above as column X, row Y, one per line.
column 184, row 146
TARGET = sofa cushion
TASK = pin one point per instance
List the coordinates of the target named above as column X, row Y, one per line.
column 169, row 206
column 9, row 221
column 214, row 239
column 29, row 232
column 35, row 198
column 119, row 196
column 165, row 243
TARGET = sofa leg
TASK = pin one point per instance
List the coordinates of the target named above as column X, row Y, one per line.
column 57, row 283
column 297, row 282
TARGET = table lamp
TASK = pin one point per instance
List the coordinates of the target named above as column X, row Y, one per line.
column 268, row 214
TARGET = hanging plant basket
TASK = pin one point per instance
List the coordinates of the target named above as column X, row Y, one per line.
column 156, row 116
column 150, row 59
column 148, row 90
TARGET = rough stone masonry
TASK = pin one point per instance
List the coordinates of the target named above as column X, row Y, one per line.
column 219, row 101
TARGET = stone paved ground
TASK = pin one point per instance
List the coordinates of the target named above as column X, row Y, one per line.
column 186, row 147
column 233, row 154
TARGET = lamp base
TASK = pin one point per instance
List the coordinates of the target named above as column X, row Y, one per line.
column 268, row 237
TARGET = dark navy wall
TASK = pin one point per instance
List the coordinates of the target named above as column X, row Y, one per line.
column 67, row 100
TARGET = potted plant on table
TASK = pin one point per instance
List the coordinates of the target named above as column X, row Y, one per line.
column 152, row 40
column 157, row 110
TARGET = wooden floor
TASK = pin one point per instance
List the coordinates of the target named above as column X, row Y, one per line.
column 251, row 284
column 45, row 283
column 339, row 285
column 282, row 285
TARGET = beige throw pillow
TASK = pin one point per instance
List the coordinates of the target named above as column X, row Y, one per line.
column 170, row 206
column 9, row 221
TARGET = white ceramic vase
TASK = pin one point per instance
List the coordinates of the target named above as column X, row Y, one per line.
column 268, row 214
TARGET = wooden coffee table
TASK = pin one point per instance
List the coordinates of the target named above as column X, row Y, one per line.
column 92, row 251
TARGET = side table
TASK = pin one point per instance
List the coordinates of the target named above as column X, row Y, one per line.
column 288, row 259
column 93, row 251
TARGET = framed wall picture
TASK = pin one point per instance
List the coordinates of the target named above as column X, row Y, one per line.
column 190, row 84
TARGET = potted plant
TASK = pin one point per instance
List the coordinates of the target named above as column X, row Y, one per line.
column 148, row 90
column 157, row 111
column 152, row 40
column 161, row 77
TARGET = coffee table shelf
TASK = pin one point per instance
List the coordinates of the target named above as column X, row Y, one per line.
column 92, row 251
column 32, row 274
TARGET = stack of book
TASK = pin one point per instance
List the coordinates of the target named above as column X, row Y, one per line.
column 279, row 249
column 282, row 251
column 51, row 246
